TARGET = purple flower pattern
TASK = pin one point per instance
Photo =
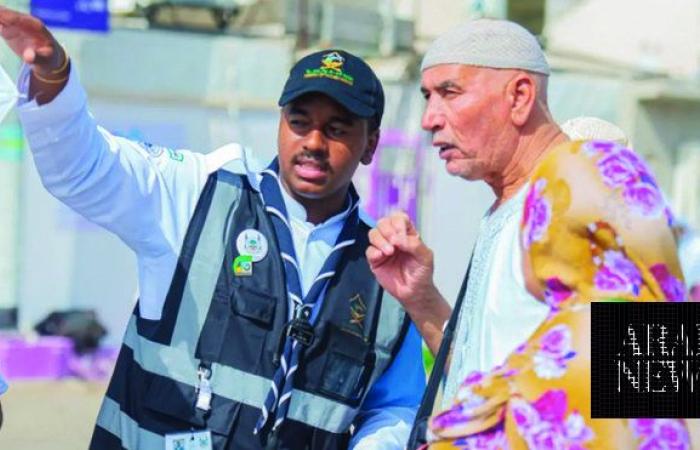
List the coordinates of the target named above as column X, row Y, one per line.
column 555, row 350
column 537, row 214
column 467, row 400
column 668, row 434
column 556, row 292
column 673, row 288
column 457, row 414
column 545, row 425
column 621, row 168
column 616, row 273
column 493, row 439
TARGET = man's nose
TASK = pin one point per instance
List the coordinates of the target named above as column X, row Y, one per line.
column 316, row 141
column 433, row 118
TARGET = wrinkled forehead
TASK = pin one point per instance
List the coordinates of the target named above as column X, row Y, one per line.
column 461, row 75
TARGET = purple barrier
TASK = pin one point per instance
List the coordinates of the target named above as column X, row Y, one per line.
column 45, row 358
column 52, row 358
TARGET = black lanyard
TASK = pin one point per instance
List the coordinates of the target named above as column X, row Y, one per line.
column 420, row 425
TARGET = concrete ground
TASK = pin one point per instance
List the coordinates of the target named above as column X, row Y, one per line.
column 61, row 415
column 49, row 415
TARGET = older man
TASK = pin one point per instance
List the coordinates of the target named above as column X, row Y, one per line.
column 485, row 85
column 573, row 222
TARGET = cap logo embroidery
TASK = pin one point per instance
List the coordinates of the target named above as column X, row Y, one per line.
column 331, row 67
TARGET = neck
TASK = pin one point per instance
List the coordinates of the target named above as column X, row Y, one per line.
column 531, row 147
column 321, row 209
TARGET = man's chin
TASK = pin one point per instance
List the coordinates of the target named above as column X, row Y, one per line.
column 465, row 169
column 455, row 170
column 310, row 191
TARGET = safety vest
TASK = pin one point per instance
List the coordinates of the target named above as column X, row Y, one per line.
column 233, row 326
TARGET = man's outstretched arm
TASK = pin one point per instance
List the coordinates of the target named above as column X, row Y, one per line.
column 143, row 194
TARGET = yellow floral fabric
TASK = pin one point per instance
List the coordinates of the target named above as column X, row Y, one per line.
column 595, row 226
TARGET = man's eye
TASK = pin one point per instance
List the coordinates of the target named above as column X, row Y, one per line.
column 336, row 131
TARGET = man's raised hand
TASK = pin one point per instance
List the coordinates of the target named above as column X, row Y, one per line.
column 31, row 40
column 401, row 262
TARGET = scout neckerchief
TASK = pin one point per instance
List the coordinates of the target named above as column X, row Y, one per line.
column 303, row 310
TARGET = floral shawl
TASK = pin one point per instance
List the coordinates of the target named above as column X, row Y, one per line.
column 595, row 226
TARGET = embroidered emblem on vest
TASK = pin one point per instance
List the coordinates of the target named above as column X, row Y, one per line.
column 358, row 311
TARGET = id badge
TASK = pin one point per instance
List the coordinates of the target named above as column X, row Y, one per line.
column 190, row 440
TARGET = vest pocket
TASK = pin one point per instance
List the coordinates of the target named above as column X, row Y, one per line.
column 255, row 305
column 171, row 405
column 348, row 365
column 251, row 314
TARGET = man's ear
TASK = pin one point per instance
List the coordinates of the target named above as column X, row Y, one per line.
column 372, row 142
column 522, row 92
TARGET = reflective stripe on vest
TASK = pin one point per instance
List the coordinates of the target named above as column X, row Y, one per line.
column 177, row 364
column 112, row 419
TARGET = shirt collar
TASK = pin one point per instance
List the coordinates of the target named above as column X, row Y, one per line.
column 298, row 213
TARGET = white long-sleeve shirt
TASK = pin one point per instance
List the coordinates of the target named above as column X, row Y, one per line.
column 146, row 195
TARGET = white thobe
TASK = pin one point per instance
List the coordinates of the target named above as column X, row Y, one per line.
column 498, row 314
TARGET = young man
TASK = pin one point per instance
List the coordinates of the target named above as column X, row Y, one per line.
column 259, row 323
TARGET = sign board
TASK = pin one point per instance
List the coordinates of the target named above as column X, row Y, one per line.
column 89, row 15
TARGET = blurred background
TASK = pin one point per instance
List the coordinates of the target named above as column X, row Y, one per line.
column 198, row 74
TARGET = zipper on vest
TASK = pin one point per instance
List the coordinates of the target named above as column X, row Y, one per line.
column 204, row 391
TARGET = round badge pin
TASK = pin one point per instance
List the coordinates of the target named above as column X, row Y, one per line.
column 252, row 242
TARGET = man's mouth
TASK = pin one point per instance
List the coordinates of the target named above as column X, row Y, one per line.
column 311, row 169
column 445, row 150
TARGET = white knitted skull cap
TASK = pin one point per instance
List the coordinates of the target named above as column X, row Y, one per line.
column 587, row 128
column 493, row 43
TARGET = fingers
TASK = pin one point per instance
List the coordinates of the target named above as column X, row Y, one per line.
column 7, row 16
column 393, row 232
column 29, row 55
column 45, row 51
column 27, row 37
column 375, row 257
column 380, row 241
column 402, row 223
column 400, row 232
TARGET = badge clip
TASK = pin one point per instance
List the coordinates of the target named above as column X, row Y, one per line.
column 300, row 328
column 204, row 392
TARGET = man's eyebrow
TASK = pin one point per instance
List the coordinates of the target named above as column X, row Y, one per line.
column 296, row 109
column 345, row 120
column 448, row 84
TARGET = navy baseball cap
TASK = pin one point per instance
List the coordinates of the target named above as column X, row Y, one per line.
column 340, row 75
